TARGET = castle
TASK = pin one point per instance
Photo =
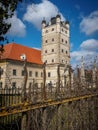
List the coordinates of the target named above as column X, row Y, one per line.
column 55, row 52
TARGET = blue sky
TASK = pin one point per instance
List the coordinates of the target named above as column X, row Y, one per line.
column 82, row 15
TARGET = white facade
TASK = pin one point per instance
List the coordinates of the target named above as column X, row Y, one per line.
column 13, row 74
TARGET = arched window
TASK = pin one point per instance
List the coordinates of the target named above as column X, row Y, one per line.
column 62, row 30
column 46, row 31
column 62, row 50
column 52, row 60
column 52, row 29
column 52, row 50
column 45, row 51
column 66, row 41
column 46, row 41
column 62, row 40
column 62, row 61
column 66, row 32
column 52, row 39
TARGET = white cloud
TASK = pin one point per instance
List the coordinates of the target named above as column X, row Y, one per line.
column 88, row 24
column 17, row 26
column 36, row 12
column 88, row 56
column 76, row 55
column 90, row 44
column 88, row 49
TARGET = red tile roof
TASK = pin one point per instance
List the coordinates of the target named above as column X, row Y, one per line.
column 13, row 51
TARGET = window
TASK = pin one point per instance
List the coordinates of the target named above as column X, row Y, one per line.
column 66, row 42
column 13, row 85
column 14, row 71
column 52, row 50
column 52, row 60
column 62, row 61
column 22, row 73
column 62, row 30
column 62, row 50
column 46, row 31
column 66, row 32
column 52, row 29
column 36, row 74
column 49, row 74
column 52, row 39
column 46, row 41
column 66, row 52
column 62, row 40
column 45, row 51
column 1, row 85
column 30, row 73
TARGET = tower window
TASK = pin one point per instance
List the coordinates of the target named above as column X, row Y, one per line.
column 49, row 74
column 66, row 42
column 62, row 50
column 62, row 40
column 52, row 60
column 46, row 41
column 45, row 51
column 52, row 29
column 62, row 61
column 52, row 39
column 46, row 31
column 52, row 50
column 66, row 52
column 62, row 30
column 66, row 32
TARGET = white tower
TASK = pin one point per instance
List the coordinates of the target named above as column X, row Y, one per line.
column 55, row 46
